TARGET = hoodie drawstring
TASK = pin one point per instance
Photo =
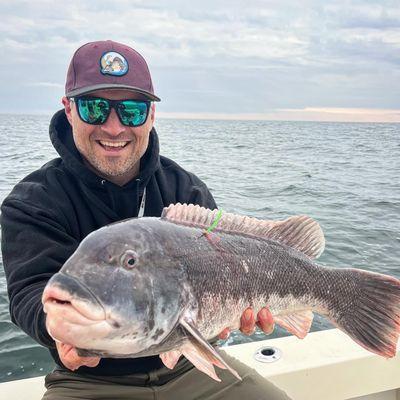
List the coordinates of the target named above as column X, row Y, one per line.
column 137, row 196
column 140, row 210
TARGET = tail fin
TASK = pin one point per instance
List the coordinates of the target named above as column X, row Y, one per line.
column 372, row 318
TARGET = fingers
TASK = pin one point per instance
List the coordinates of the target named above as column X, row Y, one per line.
column 224, row 334
column 248, row 322
column 265, row 320
column 74, row 363
column 71, row 359
column 90, row 361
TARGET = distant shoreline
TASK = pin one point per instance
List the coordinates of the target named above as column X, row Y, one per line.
column 329, row 117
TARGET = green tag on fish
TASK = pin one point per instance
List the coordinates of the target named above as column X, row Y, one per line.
column 215, row 223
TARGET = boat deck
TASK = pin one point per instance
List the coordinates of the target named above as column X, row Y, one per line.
column 325, row 365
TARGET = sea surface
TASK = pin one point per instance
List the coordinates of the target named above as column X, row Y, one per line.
column 345, row 175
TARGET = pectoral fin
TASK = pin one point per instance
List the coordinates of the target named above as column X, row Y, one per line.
column 202, row 354
column 200, row 360
column 170, row 358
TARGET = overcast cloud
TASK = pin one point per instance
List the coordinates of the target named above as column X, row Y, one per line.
column 228, row 57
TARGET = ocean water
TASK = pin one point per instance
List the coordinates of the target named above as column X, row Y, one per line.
column 344, row 175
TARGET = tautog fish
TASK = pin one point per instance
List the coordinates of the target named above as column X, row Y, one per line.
column 168, row 285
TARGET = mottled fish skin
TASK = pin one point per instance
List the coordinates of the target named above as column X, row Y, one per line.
column 207, row 280
column 238, row 271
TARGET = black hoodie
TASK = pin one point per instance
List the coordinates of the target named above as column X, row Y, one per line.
column 49, row 212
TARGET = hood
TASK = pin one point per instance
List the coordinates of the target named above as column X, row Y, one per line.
column 63, row 142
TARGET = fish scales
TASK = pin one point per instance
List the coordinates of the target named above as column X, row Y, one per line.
column 217, row 277
column 167, row 285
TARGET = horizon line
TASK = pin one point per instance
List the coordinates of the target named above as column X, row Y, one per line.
column 307, row 114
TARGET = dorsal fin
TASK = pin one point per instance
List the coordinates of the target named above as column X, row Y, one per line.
column 300, row 232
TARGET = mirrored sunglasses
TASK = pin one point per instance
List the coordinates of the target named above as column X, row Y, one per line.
column 96, row 110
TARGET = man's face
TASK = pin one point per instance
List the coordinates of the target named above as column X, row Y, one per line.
column 117, row 164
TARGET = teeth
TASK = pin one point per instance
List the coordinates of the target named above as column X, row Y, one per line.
column 113, row 144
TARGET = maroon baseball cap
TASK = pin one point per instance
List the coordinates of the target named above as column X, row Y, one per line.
column 108, row 65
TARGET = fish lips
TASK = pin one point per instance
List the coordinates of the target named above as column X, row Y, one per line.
column 65, row 290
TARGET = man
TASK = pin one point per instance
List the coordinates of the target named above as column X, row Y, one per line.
column 109, row 169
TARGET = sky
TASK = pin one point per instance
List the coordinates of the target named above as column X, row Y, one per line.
column 282, row 60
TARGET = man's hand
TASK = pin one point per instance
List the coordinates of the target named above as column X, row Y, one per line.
column 69, row 357
column 67, row 353
column 248, row 323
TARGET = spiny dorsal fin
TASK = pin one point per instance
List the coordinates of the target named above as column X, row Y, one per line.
column 300, row 232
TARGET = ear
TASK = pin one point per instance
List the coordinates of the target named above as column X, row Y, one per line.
column 153, row 112
column 67, row 107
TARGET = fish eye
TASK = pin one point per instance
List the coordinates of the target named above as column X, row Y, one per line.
column 129, row 259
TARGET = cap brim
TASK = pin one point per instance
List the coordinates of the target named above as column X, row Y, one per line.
column 103, row 86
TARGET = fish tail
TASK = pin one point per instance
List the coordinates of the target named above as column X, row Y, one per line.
column 372, row 316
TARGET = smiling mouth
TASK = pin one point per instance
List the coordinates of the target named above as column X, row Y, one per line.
column 112, row 146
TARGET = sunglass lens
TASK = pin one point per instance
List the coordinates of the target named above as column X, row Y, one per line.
column 133, row 113
column 93, row 111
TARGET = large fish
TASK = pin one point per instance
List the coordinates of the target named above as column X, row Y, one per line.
column 167, row 285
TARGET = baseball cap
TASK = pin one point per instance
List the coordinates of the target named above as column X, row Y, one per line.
column 108, row 65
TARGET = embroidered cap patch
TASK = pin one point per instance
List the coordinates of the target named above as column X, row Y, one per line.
column 113, row 63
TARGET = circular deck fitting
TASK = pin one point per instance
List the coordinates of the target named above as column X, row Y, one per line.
column 268, row 354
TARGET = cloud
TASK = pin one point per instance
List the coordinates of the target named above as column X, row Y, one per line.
column 46, row 85
column 251, row 56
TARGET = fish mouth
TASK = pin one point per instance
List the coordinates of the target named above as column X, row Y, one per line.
column 56, row 299
column 74, row 314
column 65, row 293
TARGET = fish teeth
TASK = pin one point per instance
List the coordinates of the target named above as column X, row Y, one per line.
column 112, row 144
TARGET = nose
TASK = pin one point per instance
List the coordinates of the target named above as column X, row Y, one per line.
column 113, row 125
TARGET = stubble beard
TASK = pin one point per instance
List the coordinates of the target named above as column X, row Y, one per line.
column 112, row 166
